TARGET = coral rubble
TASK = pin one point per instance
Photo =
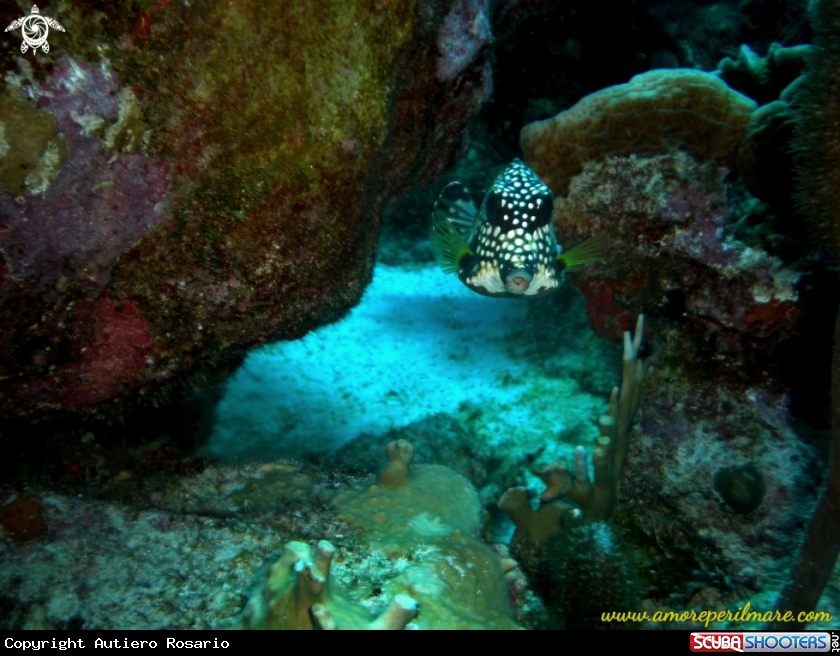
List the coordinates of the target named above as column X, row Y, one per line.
column 378, row 553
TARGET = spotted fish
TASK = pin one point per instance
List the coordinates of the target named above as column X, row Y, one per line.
column 511, row 249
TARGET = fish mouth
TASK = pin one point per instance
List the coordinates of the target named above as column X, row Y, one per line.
column 518, row 281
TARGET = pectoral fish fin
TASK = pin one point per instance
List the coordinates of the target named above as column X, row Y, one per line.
column 448, row 246
column 591, row 250
column 456, row 203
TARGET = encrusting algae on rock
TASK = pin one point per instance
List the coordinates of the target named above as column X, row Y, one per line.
column 236, row 158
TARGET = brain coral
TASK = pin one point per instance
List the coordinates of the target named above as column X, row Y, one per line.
column 654, row 113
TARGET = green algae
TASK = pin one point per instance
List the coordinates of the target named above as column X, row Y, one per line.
column 31, row 147
column 272, row 115
column 288, row 94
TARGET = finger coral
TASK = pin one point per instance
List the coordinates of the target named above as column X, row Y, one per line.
column 654, row 113
column 598, row 498
column 595, row 498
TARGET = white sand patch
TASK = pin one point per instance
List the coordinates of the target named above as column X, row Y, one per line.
column 419, row 343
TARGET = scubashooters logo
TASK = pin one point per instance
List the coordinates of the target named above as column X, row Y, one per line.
column 35, row 29
column 761, row 641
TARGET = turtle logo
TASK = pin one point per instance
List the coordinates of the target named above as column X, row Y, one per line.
column 35, row 29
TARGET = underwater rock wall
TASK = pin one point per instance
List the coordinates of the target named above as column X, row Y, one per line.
column 724, row 306
column 195, row 181
column 690, row 491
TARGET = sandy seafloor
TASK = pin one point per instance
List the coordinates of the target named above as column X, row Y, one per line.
column 418, row 344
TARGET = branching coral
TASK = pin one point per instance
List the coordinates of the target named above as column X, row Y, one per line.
column 570, row 552
column 595, row 498
column 598, row 498
column 653, row 114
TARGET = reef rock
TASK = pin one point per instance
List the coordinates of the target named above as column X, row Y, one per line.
column 717, row 302
column 691, row 432
column 207, row 179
